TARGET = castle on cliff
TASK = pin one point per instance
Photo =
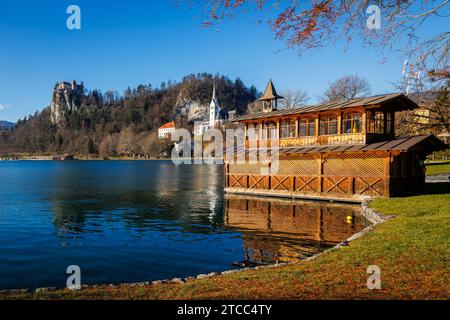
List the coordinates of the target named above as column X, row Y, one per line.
column 66, row 97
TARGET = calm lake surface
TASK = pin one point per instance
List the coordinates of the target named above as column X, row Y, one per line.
column 132, row 221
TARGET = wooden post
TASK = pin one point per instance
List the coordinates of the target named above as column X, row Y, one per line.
column 278, row 129
column 297, row 133
column 317, row 126
column 320, row 174
column 387, row 175
column 339, row 124
column 364, row 122
column 261, row 127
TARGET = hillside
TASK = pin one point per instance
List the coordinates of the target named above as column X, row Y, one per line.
column 6, row 125
column 92, row 123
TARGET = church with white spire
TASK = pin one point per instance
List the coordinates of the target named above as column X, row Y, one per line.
column 214, row 108
column 217, row 115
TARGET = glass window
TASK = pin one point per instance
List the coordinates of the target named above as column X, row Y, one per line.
column 311, row 127
column 307, row 127
column 328, row 125
column 379, row 122
column 388, row 122
column 303, row 127
column 270, row 131
column 287, row 129
column 376, row 122
column 352, row 123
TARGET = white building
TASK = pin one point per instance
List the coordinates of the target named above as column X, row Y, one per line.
column 166, row 130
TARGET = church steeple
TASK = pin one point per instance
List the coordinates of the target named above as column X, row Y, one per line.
column 213, row 108
column 270, row 98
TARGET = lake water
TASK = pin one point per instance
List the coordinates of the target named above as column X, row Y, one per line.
column 132, row 221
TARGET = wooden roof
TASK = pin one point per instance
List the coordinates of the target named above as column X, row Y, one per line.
column 428, row 142
column 270, row 93
column 401, row 102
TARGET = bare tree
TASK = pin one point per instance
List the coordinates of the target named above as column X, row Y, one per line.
column 254, row 107
column 293, row 99
column 347, row 87
column 433, row 115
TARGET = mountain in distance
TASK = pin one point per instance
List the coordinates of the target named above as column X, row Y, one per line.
column 6, row 125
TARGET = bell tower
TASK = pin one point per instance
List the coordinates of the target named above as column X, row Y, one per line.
column 270, row 98
column 213, row 108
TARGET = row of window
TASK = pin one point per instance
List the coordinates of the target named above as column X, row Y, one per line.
column 351, row 123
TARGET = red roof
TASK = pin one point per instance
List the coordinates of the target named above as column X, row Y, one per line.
column 168, row 125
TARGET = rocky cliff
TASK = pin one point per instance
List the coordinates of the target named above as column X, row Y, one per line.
column 192, row 110
column 66, row 98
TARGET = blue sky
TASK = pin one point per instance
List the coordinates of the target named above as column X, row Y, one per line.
column 126, row 43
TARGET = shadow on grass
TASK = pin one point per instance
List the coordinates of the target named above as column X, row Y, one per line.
column 437, row 188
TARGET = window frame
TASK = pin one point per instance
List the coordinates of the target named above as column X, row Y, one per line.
column 355, row 118
column 327, row 122
column 269, row 128
column 307, row 124
column 288, row 128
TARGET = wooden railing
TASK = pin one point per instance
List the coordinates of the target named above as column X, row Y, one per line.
column 321, row 184
column 327, row 140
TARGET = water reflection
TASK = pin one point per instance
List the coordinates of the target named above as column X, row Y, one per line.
column 277, row 230
column 142, row 196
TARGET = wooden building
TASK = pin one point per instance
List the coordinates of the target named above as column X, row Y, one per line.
column 341, row 150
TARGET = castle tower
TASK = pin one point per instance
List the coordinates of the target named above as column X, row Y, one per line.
column 213, row 108
column 270, row 98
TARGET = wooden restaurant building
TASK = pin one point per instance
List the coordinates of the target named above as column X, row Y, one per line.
column 341, row 150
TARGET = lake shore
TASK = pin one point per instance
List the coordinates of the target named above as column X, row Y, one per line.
column 411, row 251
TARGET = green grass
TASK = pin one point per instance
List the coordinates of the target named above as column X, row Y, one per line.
column 412, row 251
column 438, row 168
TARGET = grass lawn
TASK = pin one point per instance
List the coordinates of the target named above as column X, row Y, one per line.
column 435, row 168
column 412, row 251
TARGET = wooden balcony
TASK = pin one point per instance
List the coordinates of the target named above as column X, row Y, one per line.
column 312, row 141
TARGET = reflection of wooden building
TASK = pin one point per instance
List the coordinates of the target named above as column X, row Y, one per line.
column 294, row 229
column 339, row 150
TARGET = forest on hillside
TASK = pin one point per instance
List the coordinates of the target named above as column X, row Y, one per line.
column 111, row 124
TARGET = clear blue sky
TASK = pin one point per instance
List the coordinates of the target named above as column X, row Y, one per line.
column 126, row 43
